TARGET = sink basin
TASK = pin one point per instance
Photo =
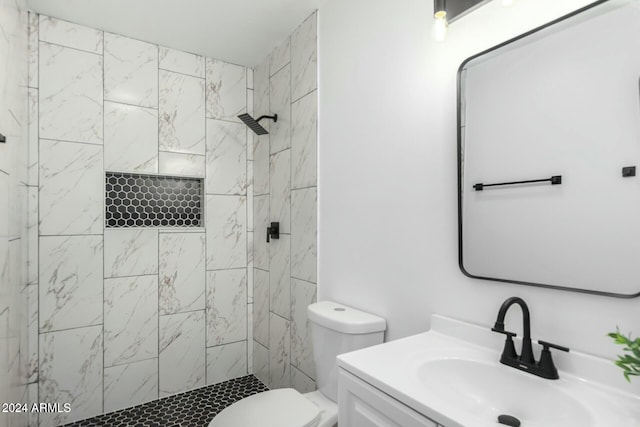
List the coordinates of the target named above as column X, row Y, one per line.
column 487, row 390
column 452, row 376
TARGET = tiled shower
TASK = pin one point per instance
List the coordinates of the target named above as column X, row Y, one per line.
column 13, row 199
column 115, row 316
column 285, row 190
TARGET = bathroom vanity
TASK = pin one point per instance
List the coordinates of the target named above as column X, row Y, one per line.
column 451, row 377
column 363, row 405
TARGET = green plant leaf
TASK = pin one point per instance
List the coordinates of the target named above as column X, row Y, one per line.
column 629, row 362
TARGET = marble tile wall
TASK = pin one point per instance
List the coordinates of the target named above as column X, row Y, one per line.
column 285, row 189
column 117, row 317
column 15, row 316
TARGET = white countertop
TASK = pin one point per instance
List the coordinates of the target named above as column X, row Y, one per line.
column 394, row 368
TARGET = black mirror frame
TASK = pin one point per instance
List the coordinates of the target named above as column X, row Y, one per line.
column 459, row 165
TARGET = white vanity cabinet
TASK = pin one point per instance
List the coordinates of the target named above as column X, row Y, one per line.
column 362, row 405
column 451, row 376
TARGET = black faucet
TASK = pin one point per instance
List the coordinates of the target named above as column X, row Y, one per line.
column 545, row 368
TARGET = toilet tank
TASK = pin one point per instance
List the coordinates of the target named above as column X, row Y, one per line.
column 337, row 329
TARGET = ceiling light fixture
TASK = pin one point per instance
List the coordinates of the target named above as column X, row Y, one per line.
column 440, row 16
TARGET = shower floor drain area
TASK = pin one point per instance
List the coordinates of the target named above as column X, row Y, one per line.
column 194, row 408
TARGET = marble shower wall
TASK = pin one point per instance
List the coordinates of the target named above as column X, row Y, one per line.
column 118, row 317
column 285, row 190
column 14, row 291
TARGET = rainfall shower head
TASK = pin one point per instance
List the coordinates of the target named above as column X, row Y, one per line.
column 253, row 123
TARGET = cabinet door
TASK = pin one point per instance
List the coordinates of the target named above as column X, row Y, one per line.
column 362, row 405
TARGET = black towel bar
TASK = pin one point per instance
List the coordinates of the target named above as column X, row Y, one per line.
column 555, row 180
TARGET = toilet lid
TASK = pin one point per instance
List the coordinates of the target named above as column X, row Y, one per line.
column 274, row 408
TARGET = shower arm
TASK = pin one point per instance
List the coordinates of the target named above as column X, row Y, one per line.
column 274, row 118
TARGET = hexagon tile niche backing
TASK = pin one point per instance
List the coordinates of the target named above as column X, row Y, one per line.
column 133, row 200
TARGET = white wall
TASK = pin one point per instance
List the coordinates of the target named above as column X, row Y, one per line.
column 387, row 173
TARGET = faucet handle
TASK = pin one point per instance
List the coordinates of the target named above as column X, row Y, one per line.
column 547, row 369
column 509, row 350
column 502, row 331
column 547, row 345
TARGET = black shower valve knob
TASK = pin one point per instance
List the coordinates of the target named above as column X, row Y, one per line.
column 273, row 232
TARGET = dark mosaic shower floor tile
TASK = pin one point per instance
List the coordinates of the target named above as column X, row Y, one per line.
column 194, row 408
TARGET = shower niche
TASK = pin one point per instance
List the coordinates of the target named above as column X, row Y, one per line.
column 548, row 141
column 135, row 200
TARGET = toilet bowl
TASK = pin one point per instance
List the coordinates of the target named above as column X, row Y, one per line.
column 284, row 407
column 335, row 329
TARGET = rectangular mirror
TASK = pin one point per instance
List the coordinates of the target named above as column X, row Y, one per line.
column 559, row 106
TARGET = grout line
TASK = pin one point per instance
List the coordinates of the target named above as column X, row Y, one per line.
column 222, row 119
column 268, row 214
column 158, row 248
column 37, row 225
column 290, row 214
column 304, row 280
column 260, row 344
column 249, row 247
column 63, row 46
column 37, row 213
column 104, row 218
column 181, row 153
column 226, row 269
column 226, row 343
column 306, row 94
column 280, row 316
column 295, row 101
column 70, row 142
column 152, row 175
column 203, row 222
column 68, row 329
column 280, row 151
column 217, row 60
column 158, row 388
column 229, row 195
column 206, row 331
column 66, row 235
column 271, row 74
column 126, row 103
column 158, row 109
column 130, row 277
column 183, row 230
column 177, row 72
column 297, row 368
column 203, row 195
column 185, row 312
column 304, row 188
column 130, row 363
column 162, row 229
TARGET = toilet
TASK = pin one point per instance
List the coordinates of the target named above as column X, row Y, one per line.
column 335, row 329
